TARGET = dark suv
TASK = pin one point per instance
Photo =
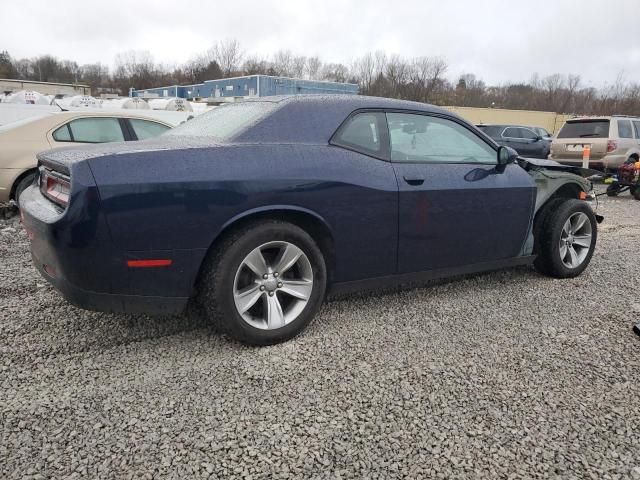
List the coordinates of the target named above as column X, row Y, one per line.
column 525, row 140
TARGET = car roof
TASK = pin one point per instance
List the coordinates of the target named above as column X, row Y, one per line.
column 354, row 101
column 315, row 118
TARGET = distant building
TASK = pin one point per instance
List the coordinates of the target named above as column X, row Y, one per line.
column 45, row 88
column 229, row 89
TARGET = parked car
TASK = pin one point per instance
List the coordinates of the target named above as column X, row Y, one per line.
column 255, row 210
column 20, row 141
column 611, row 141
column 523, row 140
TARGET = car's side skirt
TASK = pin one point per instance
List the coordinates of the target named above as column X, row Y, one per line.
column 413, row 278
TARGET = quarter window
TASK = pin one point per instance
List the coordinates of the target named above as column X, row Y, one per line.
column 146, row 129
column 421, row 138
column 624, row 129
column 362, row 133
column 62, row 134
column 636, row 125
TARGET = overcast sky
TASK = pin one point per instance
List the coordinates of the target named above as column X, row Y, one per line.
column 498, row 40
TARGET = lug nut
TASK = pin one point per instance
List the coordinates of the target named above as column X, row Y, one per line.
column 279, row 284
column 271, row 294
column 262, row 288
column 276, row 274
column 265, row 276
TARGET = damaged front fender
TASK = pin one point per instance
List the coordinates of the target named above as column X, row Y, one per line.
column 554, row 180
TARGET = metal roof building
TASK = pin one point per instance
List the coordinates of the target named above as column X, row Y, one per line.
column 45, row 88
column 248, row 86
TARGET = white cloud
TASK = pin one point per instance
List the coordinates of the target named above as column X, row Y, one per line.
column 498, row 40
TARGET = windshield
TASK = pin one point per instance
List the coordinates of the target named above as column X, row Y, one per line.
column 223, row 123
column 585, row 129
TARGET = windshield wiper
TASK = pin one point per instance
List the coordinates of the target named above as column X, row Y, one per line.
column 590, row 135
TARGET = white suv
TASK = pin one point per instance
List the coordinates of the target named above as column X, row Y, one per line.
column 612, row 141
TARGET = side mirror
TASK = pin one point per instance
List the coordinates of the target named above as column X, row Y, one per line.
column 506, row 155
column 538, row 138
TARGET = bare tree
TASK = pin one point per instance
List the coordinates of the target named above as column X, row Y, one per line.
column 298, row 65
column 283, row 63
column 228, row 55
column 312, row 71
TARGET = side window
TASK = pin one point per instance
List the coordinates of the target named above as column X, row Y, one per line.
column 62, row 134
column 624, row 129
column 511, row 132
column 636, row 125
column 96, row 130
column 362, row 133
column 421, row 138
column 528, row 134
column 147, row 129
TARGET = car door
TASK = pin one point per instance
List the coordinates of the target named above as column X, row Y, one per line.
column 532, row 143
column 455, row 206
column 512, row 137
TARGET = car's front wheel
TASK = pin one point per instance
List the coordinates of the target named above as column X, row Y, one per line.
column 264, row 283
column 566, row 239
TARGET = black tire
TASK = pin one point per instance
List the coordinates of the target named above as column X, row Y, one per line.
column 547, row 244
column 635, row 192
column 613, row 190
column 22, row 185
column 216, row 284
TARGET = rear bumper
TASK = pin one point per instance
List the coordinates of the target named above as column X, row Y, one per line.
column 72, row 250
column 112, row 303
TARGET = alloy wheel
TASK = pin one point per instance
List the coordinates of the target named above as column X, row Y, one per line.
column 273, row 285
column 575, row 240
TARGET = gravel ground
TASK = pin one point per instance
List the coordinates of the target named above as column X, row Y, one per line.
column 509, row 375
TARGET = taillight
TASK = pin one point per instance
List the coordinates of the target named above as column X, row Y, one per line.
column 612, row 146
column 55, row 186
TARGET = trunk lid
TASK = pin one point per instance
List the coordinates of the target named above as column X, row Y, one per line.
column 63, row 159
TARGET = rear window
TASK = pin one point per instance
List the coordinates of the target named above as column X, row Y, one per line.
column 585, row 128
column 223, row 123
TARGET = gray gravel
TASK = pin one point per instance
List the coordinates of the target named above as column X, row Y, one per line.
column 509, row 375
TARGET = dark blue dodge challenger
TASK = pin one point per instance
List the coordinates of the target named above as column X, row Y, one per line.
column 256, row 210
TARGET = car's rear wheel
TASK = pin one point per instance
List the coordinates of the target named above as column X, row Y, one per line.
column 264, row 283
column 24, row 183
column 566, row 240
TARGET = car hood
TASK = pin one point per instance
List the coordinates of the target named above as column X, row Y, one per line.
column 66, row 156
column 537, row 163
